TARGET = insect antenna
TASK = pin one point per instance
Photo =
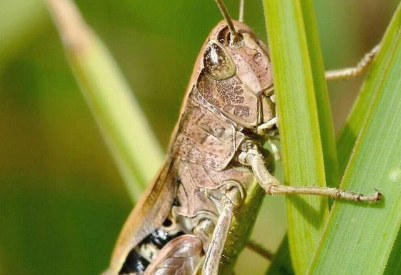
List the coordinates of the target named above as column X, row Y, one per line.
column 228, row 19
column 241, row 10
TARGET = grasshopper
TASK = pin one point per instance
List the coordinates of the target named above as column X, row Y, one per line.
column 181, row 224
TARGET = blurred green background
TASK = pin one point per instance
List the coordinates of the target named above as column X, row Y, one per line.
column 62, row 201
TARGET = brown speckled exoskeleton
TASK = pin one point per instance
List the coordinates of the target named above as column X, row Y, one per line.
column 182, row 221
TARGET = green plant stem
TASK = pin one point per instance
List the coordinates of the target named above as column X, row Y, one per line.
column 118, row 115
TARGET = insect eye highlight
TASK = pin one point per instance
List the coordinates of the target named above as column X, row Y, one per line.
column 218, row 63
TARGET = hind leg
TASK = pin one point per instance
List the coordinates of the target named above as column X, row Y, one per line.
column 233, row 196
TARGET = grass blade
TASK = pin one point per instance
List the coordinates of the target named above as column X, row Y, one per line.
column 322, row 96
column 124, row 127
column 306, row 131
column 350, row 130
column 368, row 233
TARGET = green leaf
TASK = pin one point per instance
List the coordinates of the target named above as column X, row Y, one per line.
column 306, row 131
column 358, row 238
column 125, row 128
column 350, row 130
column 322, row 96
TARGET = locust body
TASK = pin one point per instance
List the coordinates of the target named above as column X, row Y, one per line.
column 215, row 164
column 182, row 222
column 203, row 181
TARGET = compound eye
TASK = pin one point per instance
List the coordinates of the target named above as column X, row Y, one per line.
column 218, row 63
